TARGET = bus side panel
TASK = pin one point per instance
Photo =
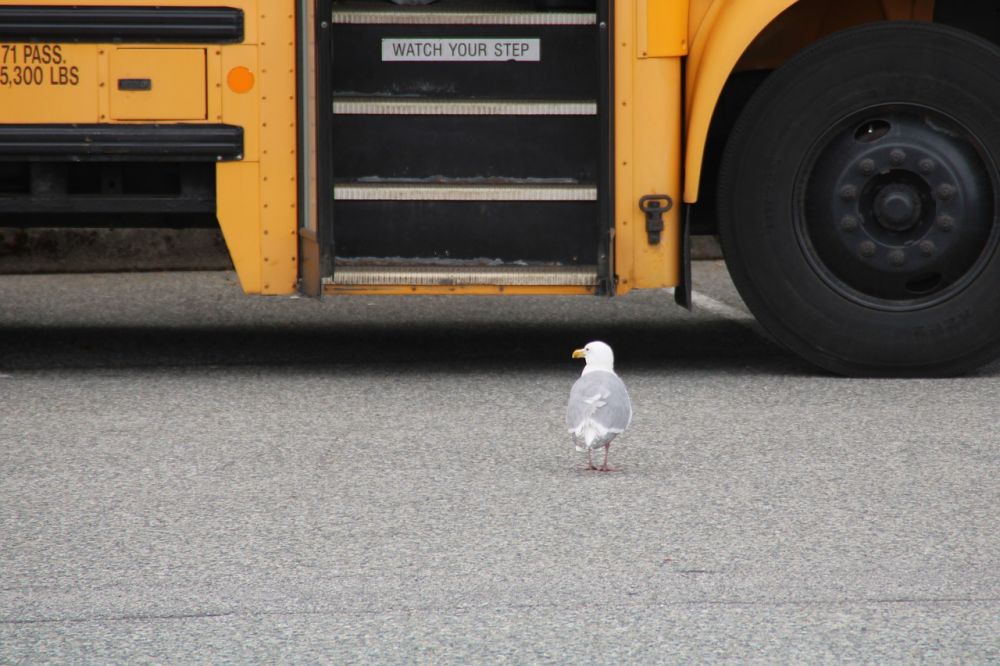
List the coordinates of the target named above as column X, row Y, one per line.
column 278, row 148
column 123, row 89
column 723, row 35
column 257, row 207
column 238, row 210
column 647, row 144
column 49, row 83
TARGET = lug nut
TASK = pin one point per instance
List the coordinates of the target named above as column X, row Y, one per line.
column 867, row 166
column 927, row 248
column 866, row 248
column 897, row 157
column 848, row 192
column 945, row 222
column 897, row 258
column 926, row 166
column 849, row 223
column 945, row 192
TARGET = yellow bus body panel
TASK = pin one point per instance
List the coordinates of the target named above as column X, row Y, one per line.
column 173, row 75
column 49, row 83
column 663, row 28
column 726, row 29
column 257, row 208
column 256, row 200
column 238, row 210
column 278, row 150
column 647, row 143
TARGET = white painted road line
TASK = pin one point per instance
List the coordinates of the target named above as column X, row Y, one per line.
column 714, row 306
column 705, row 302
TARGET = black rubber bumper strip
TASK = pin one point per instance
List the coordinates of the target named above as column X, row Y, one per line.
column 170, row 143
column 185, row 25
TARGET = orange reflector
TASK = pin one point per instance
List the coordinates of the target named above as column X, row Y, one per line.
column 240, row 79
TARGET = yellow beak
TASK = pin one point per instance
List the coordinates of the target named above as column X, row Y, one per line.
column 579, row 353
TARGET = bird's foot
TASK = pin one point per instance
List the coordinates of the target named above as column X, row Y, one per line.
column 606, row 468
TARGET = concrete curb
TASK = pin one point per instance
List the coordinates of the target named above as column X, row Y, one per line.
column 119, row 250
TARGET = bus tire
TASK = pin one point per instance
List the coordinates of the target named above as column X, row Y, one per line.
column 858, row 202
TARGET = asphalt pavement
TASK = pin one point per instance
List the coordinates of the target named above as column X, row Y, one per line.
column 188, row 474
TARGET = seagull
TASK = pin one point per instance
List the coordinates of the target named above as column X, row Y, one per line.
column 599, row 407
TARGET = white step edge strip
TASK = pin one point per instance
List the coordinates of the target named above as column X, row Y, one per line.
column 369, row 106
column 390, row 17
column 487, row 275
column 407, row 192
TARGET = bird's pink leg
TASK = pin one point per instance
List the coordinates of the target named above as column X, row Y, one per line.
column 590, row 464
column 604, row 467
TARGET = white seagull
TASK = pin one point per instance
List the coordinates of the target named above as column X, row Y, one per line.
column 599, row 407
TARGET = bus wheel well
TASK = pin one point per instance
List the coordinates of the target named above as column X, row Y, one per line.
column 797, row 28
column 737, row 92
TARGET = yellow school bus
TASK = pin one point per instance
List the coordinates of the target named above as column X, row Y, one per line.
column 845, row 151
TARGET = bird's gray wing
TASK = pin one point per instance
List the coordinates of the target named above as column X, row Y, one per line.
column 598, row 409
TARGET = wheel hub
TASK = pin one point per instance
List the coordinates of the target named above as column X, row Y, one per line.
column 898, row 207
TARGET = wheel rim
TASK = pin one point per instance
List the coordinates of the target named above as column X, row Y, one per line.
column 896, row 206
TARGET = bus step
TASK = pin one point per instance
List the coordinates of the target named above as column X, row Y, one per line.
column 382, row 106
column 406, row 138
column 463, row 49
column 558, row 232
column 463, row 192
column 457, row 12
column 465, row 129
column 450, row 276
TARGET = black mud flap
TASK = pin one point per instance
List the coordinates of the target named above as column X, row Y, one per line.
column 682, row 294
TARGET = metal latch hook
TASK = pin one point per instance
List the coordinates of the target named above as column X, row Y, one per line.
column 654, row 206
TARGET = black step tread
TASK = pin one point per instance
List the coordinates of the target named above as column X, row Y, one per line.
column 563, row 232
column 412, row 106
column 488, row 190
column 504, row 147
